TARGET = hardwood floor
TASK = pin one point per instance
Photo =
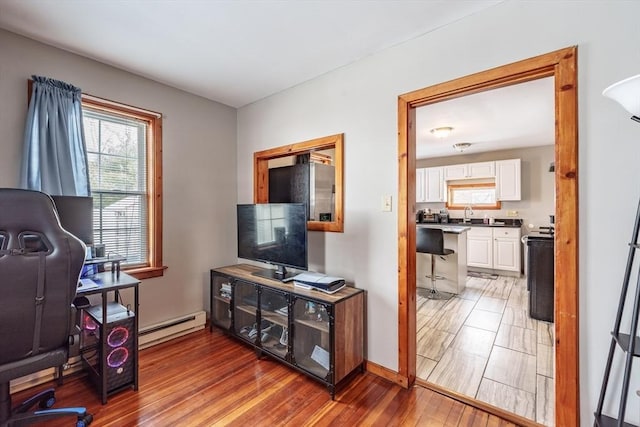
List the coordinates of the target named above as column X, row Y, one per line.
column 483, row 344
column 209, row 379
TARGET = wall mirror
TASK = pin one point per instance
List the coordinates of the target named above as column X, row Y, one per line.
column 310, row 172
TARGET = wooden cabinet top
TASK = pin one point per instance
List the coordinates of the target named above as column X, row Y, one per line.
column 245, row 272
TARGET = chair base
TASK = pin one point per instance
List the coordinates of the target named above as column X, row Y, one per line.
column 438, row 295
column 20, row 415
column 434, row 293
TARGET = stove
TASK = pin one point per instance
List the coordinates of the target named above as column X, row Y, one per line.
column 539, row 234
column 539, row 247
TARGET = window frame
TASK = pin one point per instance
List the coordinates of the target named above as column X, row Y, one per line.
column 154, row 266
column 452, row 187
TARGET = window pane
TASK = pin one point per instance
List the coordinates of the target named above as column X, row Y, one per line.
column 474, row 195
column 116, row 150
column 119, row 223
column 91, row 126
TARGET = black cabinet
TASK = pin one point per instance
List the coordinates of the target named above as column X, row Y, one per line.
column 540, row 278
column 321, row 335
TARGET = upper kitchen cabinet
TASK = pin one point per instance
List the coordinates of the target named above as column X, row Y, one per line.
column 421, row 193
column 470, row 170
column 508, row 186
column 430, row 185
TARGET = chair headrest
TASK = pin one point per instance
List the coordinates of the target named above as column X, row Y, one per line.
column 28, row 220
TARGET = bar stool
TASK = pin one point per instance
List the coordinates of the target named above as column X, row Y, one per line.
column 431, row 241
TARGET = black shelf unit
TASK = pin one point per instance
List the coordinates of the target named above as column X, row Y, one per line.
column 94, row 352
column 623, row 340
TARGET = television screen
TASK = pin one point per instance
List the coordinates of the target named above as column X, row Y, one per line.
column 76, row 216
column 274, row 233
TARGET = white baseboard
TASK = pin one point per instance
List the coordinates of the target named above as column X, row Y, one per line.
column 170, row 329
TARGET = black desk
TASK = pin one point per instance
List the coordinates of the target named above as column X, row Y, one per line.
column 113, row 282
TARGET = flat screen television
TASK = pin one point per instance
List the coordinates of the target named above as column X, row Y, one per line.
column 76, row 216
column 275, row 233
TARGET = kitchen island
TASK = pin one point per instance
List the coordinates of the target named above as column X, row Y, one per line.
column 453, row 267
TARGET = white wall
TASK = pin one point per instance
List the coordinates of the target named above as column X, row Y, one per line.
column 360, row 100
column 199, row 144
column 538, row 192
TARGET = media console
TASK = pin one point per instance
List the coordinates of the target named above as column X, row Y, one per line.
column 319, row 334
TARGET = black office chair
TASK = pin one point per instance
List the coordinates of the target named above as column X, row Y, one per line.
column 431, row 241
column 40, row 264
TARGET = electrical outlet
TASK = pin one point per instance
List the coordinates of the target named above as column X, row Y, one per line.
column 512, row 213
column 386, row 203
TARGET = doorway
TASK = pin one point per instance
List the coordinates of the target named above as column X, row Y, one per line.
column 561, row 65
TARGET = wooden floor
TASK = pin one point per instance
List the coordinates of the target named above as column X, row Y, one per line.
column 209, row 379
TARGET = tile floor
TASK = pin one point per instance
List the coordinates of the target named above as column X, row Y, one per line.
column 482, row 343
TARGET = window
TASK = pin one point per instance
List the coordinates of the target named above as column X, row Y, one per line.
column 124, row 147
column 477, row 195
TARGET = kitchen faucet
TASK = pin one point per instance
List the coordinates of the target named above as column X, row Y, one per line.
column 468, row 210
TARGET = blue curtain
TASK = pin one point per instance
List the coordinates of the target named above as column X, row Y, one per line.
column 55, row 156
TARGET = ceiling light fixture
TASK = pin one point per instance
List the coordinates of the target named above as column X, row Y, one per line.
column 627, row 93
column 461, row 146
column 441, row 132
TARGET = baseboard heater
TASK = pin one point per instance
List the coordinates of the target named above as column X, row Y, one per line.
column 170, row 329
column 147, row 337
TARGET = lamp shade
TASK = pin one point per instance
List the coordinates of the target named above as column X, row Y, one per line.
column 627, row 93
column 441, row 132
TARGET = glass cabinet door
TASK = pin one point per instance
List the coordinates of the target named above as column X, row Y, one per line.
column 274, row 325
column 221, row 300
column 245, row 298
column 312, row 338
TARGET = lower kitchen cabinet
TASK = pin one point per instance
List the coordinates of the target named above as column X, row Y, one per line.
column 319, row 334
column 506, row 249
column 496, row 248
column 480, row 247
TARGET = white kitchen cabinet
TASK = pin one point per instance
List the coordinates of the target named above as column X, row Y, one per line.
column 480, row 247
column 508, row 182
column 506, row 249
column 430, row 185
column 420, row 185
column 481, row 170
column 455, row 172
column 495, row 248
column 434, row 184
column 470, row 170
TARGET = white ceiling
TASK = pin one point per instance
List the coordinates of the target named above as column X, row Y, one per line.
column 239, row 51
column 231, row 51
column 517, row 116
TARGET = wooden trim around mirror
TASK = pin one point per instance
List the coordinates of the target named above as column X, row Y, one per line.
column 261, row 174
column 562, row 65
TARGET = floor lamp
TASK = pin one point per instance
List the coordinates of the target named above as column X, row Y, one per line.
column 627, row 94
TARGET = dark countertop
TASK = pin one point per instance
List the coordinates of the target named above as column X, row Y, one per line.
column 479, row 222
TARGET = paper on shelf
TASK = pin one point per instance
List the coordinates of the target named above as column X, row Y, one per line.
column 321, row 356
column 87, row 283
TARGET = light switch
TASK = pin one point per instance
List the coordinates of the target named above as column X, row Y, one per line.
column 386, row 203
